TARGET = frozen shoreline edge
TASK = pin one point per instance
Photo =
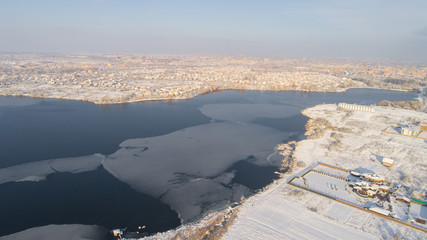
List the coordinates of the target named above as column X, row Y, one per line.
column 165, row 98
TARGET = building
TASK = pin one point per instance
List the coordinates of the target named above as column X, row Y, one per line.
column 365, row 189
column 414, row 129
column 381, row 211
column 373, row 178
column 410, row 131
column 388, row 162
column 403, row 199
column 355, row 107
column 384, row 188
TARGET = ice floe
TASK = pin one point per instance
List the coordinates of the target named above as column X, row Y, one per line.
column 37, row 171
column 185, row 169
column 65, row 232
column 183, row 165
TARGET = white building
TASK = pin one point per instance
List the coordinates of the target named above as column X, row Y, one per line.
column 381, row 211
column 388, row 162
column 355, row 107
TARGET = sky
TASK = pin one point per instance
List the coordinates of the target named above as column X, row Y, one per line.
column 379, row 29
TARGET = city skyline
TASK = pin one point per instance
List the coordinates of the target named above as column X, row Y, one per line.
column 332, row 29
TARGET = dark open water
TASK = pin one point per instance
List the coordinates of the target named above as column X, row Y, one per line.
column 33, row 130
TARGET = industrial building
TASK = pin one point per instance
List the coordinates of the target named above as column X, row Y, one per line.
column 355, row 107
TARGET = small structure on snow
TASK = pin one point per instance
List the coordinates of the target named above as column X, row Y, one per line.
column 379, row 210
column 413, row 129
column 410, row 131
column 403, row 199
column 388, row 162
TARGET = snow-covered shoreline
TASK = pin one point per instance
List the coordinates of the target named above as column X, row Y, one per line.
column 285, row 212
column 94, row 96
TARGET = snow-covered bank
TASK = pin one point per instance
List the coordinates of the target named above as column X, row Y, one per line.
column 64, row 232
column 284, row 212
column 212, row 226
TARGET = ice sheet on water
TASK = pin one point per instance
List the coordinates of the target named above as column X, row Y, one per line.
column 37, row 171
column 201, row 151
column 173, row 165
column 247, row 112
column 185, row 168
column 65, row 232
column 225, row 178
column 193, row 198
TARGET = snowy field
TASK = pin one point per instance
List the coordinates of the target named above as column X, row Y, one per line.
column 329, row 186
column 274, row 214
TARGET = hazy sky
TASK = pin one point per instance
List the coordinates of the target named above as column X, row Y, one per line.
column 286, row 28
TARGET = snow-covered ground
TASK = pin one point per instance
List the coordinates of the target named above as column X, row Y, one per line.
column 353, row 140
column 276, row 214
column 333, row 187
column 364, row 140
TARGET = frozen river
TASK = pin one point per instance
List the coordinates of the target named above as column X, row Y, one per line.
column 155, row 164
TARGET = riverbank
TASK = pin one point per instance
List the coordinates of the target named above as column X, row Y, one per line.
column 106, row 96
column 348, row 140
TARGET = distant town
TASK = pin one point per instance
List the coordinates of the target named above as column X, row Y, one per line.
column 107, row 79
